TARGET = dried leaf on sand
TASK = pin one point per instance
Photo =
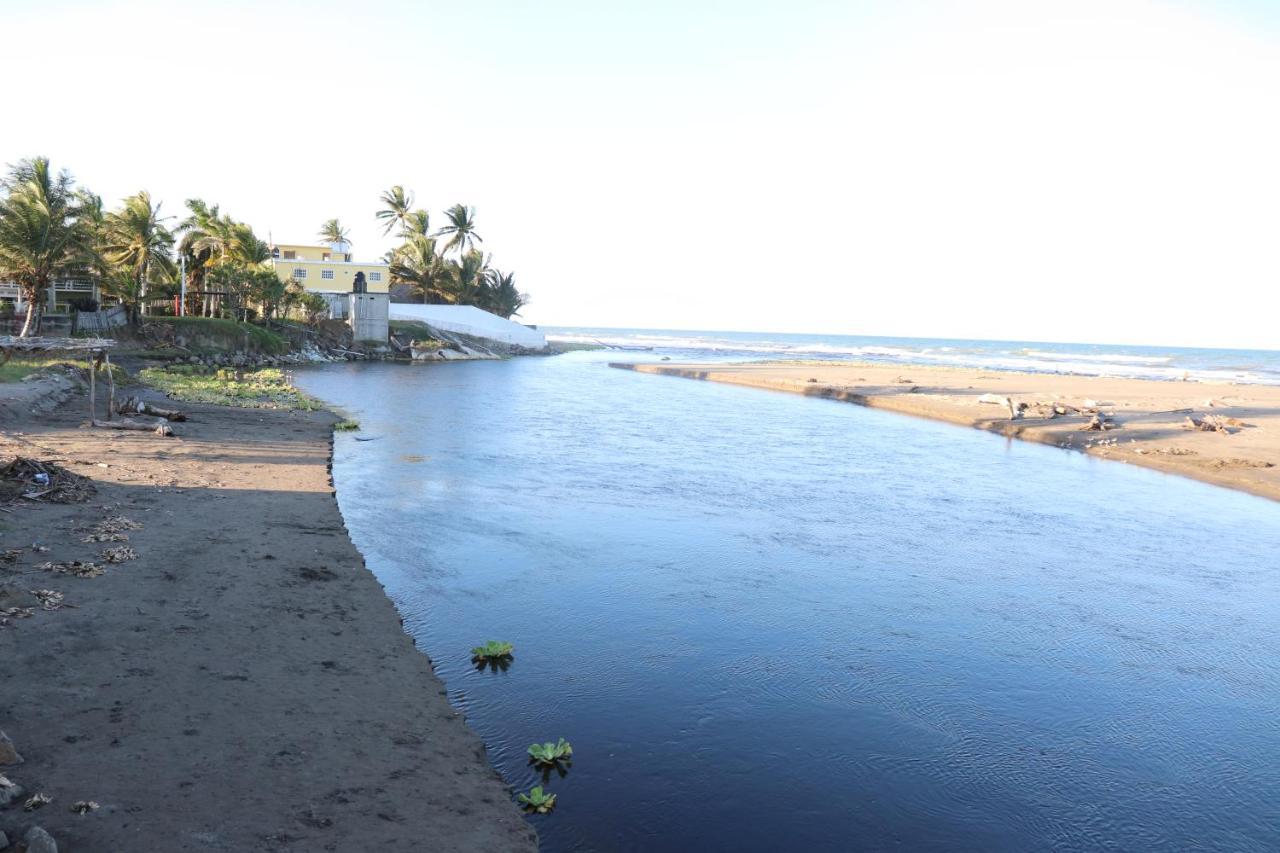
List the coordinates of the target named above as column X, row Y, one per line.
column 119, row 554
column 36, row 801
column 77, row 568
column 84, row 806
column 50, row 599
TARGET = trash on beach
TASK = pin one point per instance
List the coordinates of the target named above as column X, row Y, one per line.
column 41, row 480
column 84, row 806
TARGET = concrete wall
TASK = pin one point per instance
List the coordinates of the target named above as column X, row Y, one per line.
column 469, row 320
column 367, row 316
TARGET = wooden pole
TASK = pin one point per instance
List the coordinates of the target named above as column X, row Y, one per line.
column 111, row 385
column 93, row 408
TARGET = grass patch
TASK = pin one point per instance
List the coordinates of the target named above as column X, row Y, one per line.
column 267, row 388
column 346, row 426
column 15, row 370
column 220, row 334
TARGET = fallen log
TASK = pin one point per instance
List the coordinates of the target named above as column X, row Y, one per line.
column 159, row 427
column 134, row 406
column 1099, row 423
column 1207, row 423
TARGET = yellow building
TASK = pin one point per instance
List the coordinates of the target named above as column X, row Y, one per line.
column 327, row 269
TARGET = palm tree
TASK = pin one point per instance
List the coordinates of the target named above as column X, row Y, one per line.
column 201, row 241
column 418, row 265
column 461, row 229
column 43, row 232
column 333, row 232
column 396, row 206
column 417, row 222
column 502, row 298
column 467, row 278
column 135, row 239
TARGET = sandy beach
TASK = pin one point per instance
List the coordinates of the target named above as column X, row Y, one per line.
column 1146, row 422
column 238, row 680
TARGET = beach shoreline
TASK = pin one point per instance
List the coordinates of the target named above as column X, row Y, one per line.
column 1145, row 421
column 241, row 683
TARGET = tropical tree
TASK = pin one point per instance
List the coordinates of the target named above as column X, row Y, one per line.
column 135, row 239
column 467, row 278
column 501, row 296
column 201, row 244
column 461, row 229
column 333, row 232
column 418, row 265
column 44, row 232
column 397, row 204
column 417, row 222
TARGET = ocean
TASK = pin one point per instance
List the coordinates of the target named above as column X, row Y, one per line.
column 1139, row 362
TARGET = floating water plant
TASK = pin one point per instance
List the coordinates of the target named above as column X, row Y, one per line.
column 537, row 800
column 550, row 754
column 346, row 426
column 492, row 651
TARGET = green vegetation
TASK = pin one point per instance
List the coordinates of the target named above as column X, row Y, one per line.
column 537, row 800
column 550, row 754
column 17, row 369
column 423, row 264
column 215, row 333
column 492, row 650
column 267, row 388
column 346, row 426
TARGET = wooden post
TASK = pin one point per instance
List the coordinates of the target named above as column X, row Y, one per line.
column 111, row 386
column 93, row 408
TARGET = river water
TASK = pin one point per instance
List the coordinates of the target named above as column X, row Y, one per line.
column 768, row 622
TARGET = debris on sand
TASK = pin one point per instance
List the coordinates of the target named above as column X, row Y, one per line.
column 41, row 480
column 111, row 529
column 1099, row 423
column 119, row 554
column 36, row 801
column 50, row 599
column 1211, row 423
column 84, row 806
column 75, row 568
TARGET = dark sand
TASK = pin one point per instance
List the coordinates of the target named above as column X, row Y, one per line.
column 244, row 684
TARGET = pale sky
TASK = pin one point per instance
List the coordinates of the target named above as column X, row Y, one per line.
column 1083, row 170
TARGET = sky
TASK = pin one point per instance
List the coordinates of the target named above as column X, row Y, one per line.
column 1093, row 170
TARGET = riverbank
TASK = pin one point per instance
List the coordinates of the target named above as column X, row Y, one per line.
column 239, row 680
column 1145, row 422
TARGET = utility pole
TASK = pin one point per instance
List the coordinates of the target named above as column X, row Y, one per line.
column 182, row 303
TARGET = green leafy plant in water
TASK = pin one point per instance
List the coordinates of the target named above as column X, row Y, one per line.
column 346, row 426
column 492, row 650
column 537, row 800
column 550, row 754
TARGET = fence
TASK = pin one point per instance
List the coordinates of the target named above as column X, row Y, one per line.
column 101, row 321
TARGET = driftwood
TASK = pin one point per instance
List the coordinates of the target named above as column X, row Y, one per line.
column 159, row 427
column 1210, row 423
column 134, row 406
column 997, row 400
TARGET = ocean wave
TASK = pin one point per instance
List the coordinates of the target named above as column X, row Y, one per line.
column 1192, row 365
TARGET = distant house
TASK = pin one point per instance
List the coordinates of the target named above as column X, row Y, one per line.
column 58, row 296
column 328, row 270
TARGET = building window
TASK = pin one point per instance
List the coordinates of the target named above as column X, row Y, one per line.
column 290, row 255
column 299, row 272
column 324, row 256
column 375, row 276
column 326, row 274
